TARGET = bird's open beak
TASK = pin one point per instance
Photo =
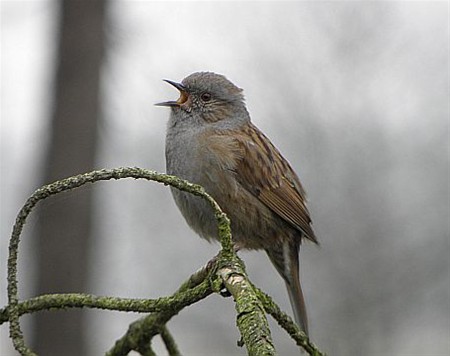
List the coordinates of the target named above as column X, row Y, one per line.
column 183, row 95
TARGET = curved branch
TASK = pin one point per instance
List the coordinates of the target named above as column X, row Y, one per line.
column 226, row 269
column 75, row 182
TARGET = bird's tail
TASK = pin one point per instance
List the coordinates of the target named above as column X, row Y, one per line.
column 286, row 261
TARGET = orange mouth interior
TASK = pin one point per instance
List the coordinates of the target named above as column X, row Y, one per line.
column 183, row 97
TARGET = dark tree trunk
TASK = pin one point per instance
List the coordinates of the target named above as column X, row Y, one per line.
column 65, row 222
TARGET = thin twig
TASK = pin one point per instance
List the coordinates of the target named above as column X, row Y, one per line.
column 287, row 324
column 170, row 343
column 141, row 332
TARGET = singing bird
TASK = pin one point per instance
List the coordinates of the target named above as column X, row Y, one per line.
column 212, row 142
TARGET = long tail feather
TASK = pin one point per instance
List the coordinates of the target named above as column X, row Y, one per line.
column 298, row 304
column 285, row 260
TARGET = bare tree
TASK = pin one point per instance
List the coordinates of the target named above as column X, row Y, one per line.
column 64, row 229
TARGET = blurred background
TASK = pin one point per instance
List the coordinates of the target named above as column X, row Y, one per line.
column 355, row 95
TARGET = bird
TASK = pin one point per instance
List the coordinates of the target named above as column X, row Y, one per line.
column 211, row 141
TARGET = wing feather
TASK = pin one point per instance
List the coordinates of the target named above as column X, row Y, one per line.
column 262, row 170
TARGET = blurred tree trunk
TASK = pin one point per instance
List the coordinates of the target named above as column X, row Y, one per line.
column 65, row 224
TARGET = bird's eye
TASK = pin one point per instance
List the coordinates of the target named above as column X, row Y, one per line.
column 206, row 96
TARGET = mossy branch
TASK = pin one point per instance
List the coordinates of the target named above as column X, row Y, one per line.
column 251, row 317
column 141, row 332
column 226, row 269
column 285, row 321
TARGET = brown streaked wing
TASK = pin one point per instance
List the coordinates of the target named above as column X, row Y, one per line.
column 266, row 174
